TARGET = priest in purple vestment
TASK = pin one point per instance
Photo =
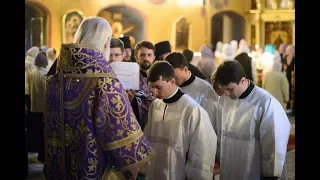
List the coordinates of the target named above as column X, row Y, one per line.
column 141, row 100
column 91, row 131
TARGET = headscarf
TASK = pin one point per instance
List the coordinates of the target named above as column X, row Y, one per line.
column 270, row 48
column 41, row 60
column 227, row 51
column 206, row 51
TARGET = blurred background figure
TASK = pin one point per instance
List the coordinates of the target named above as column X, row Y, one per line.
column 194, row 70
column 37, row 83
column 277, row 84
column 51, row 55
column 206, row 63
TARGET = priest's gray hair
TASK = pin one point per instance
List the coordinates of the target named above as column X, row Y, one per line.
column 94, row 31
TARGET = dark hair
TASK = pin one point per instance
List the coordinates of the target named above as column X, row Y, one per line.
column 229, row 71
column 116, row 43
column 188, row 54
column 160, row 69
column 177, row 60
column 145, row 44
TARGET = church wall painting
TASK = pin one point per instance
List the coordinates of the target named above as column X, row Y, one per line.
column 125, row 21
column 71, row 21
column 182, row 34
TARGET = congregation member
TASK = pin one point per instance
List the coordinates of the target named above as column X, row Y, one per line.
column 206, row 63
column 276, row 83
column 51, row 55
column 37, row 82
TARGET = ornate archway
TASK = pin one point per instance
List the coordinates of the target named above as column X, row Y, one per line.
column 227, row 26
column 125, row 21
column 36, row 25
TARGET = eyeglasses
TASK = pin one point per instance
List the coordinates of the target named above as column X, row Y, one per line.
column 115, row 55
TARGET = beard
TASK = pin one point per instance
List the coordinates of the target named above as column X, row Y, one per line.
column 145, row 65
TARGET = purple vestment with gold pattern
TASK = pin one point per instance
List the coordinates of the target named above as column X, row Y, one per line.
column 89, row 123
column 145, row 102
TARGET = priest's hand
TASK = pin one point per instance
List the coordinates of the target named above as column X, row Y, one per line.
column 130, row 93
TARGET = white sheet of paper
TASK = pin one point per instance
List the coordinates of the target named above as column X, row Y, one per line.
column 128, row 74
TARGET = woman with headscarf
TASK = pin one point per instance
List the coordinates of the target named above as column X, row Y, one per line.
column 218, row 53
column 265, row 61
column 37, row 82
column 206, row 62
column 51, row 55
column 29, row 66
column 234, row 47
column 227, row 52
column 276, row 83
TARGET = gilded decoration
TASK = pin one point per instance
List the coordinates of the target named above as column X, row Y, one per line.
column 88, row 115
column 70, row 23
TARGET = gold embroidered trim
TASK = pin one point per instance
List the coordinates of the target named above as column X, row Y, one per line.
column 147, row 158
column 122, row 142
column 76, row 102
column 89, row 75
column 112, row 174
column 79, row 46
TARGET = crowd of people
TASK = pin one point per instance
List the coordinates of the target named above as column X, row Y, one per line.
column 191, row 112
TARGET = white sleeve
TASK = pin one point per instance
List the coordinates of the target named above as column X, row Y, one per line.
column 274, row 136
column 202, row 147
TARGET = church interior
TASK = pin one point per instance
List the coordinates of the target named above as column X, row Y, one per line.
column 186, row 24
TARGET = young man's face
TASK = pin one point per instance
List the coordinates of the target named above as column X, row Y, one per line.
column 162, row 89
column 234, row 90
column 145, row 58
column 180, row 75
column 116, row 55
column 127, row 54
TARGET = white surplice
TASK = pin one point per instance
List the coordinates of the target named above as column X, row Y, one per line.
column 184, row 141
column 253, row 133
column 203, row 93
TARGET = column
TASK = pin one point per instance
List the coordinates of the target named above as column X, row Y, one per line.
column 258, row 33
column 227, row 29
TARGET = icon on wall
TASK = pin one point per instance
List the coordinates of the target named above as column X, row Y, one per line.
column 71, row 21
column 125, row 21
